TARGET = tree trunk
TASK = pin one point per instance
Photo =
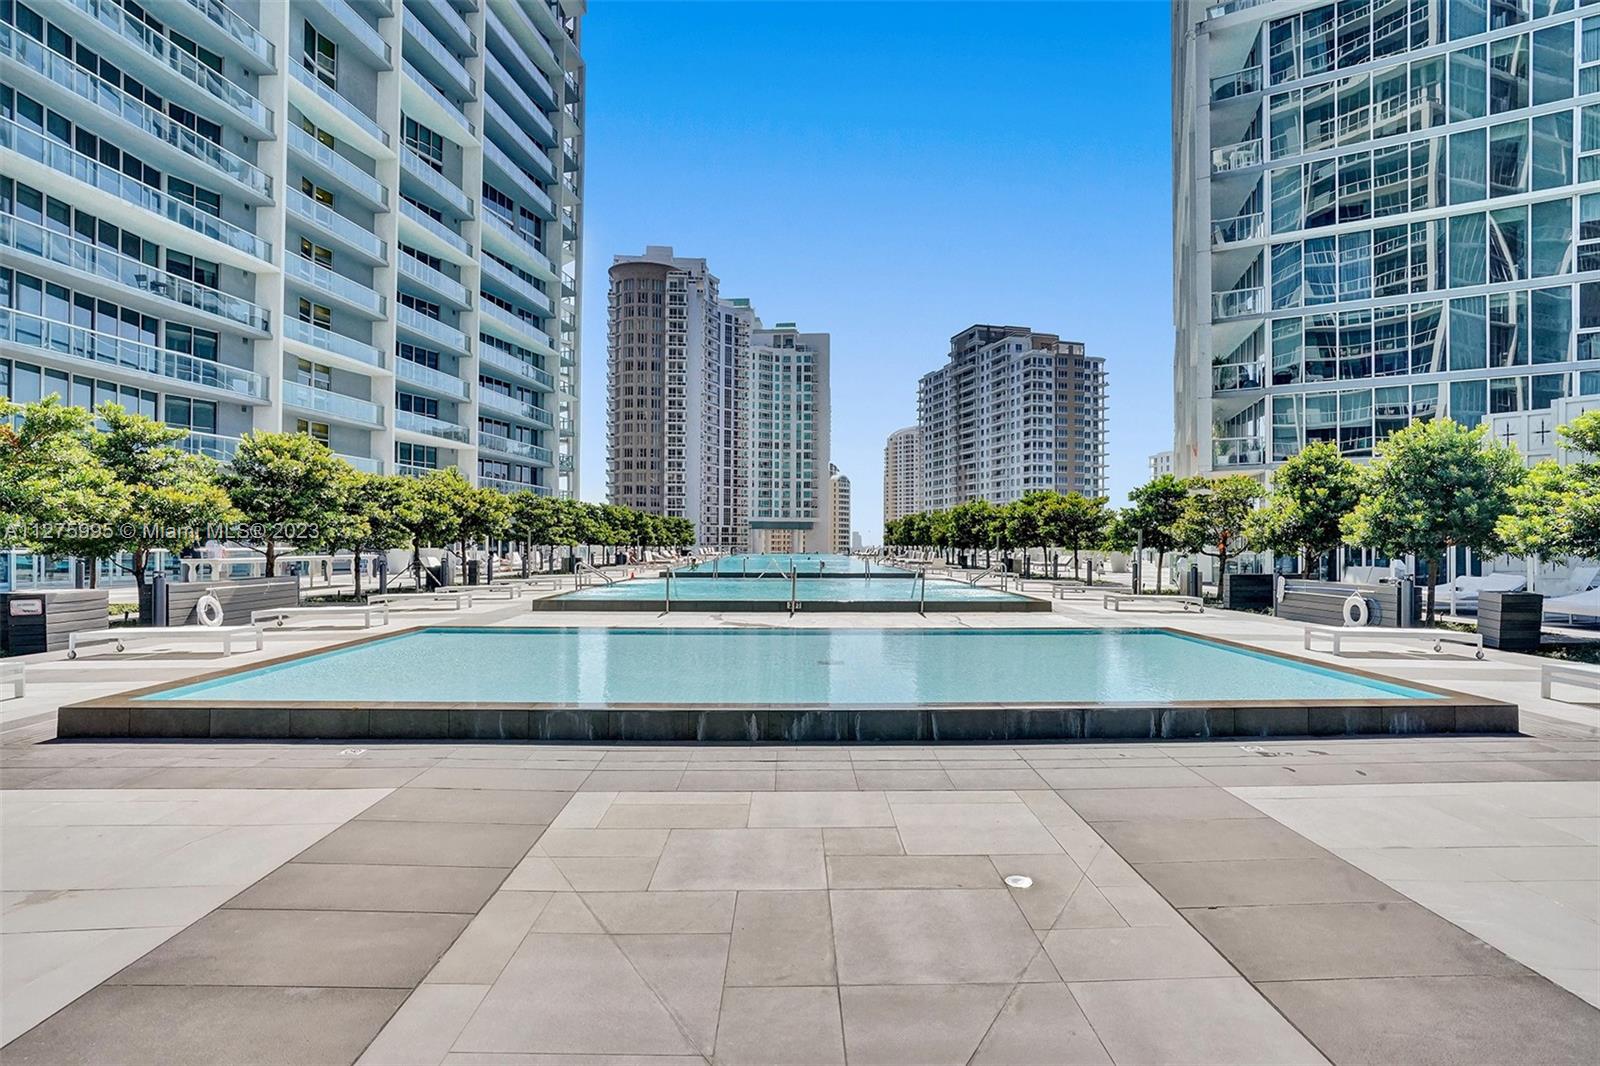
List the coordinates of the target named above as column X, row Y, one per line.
column 1075, row 573
column 1433, row 568
column 355, row 570
column 1161, row 558
column 272, row 556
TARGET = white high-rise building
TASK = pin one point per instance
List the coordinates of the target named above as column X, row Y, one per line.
column 839, row 510
column 1013, row 411
column 677, row 420
column 360, row 221
column 789, row 435
column 1384, row 211
column 902, row 473
column 1160, row 463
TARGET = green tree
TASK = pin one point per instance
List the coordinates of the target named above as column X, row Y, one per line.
column 1215, row 514
column 1311, row 495
column 375, row 516
column 288, row 489
column 1075, row 522
column 440, row 500
column 1582, row 435
column 1543, row 504
column 174, row 501
column 971, row 526
column 1152, row 517
column 1434, row 486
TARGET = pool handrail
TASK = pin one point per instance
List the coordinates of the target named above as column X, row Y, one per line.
column 583, row 567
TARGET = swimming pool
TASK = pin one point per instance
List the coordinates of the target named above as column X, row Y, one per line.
column 815, row 593
column 803, row 564
column 784, row 684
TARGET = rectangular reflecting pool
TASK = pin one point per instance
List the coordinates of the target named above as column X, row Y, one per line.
column 773, row 592
column 814, row 564
column 785, row 684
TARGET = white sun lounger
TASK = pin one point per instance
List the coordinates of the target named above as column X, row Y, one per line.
column 1577, row 605
column 1114, row 601
column 455, row 601
column 1584, row 677
column 163, row 635
column 280, row 615
column 509, row 590
column 15, row 675
column 1338, row 635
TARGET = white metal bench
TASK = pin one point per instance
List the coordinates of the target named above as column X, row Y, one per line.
column 163, row 634
column 497, row 591
column 1114, row 601
column 404, row 600
column 1338, row 635
column 280, row 615
column 1585, row 677
column 15, row 675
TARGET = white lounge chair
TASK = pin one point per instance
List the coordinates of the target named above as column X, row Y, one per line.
column 1586, row 678
column 15, row 675
column 1336, row 636
column 163, row 635
column 280, row 615
column 1577, row 605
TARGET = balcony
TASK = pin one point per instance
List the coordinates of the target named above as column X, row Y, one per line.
column 332, row 111
column 413, row 165
column 533, row 453
column 528, row 105
column 566, row 428
column 515, row 408
column 414, row 422
column 1238, row 451
column 1237, row 230
column 413, row 469
column 188, row 68
column 358, row 30
column 499, row 321
column 61, row 71
column 434, row 381
column 445, row 22
column 238, row 30
column 211, row 445
column 436, row 230
column 513, row 286
column 1239, row 83
column 334, row 405
column 347, row 234
column 537, row 198
column 511, row 136
column 435, row 55
column 64, row 160
column 362, row 299
column 1238, row 377
column 431, row 328
column 436, row 283
column 333, row 165
column 326, row 340
column 1236, row 156
column 433, row 107
column 513, row 242
column 490, row 356
column 506, row 485
column 1236, row 304
column 30, row 238
column 65, row 340
column 362, row 463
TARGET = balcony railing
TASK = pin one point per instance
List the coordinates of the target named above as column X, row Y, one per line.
column 333, row 404
column 432, row 328
column 359, row 28
column 63, row 159
column 233, row 24
column 336, row 225
column 431, row 91
column 413, row 422
column 61, row 70
column 520, row 239
column 520, row 288
column 335, row 100
column 361, row 297
column 362, row 463
column 30, row 238
column 441, row 186
column 210, row 445
column 1236, row 156
column 507, row 127
column 364, row 184
column 520, row 178
column 566, row 427
column 1236, row 303
column 1238, row 376
column 510, row 405
column 106, row 349
column 1239, row 451
column 114, row 18
column 493, row 357
column 329, row 341
column 438, row 229
column 506, row 485
column 429, row 378
column 419, row 32
column 435, row 281
column 413, row 469
column 1239, row 83
column 533, row 453
column 1236, row 229
column 496, row 317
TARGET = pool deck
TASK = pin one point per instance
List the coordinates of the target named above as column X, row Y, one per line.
column 1397, row 900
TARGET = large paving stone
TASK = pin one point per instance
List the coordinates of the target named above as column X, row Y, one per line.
column 930, row 936
column 780, row 1027
column 1133, row 953
column 917, row 1025
column 1168, row 840
column 1041, row 1023
column 1142, row 804
column 425, row 844
column 1217, row 1021
column 133, row 1025
column 1253, row 882
column 336, row 949
column 515, row 806
column 1329, row 940
column 339, row 887
column 741, row 859
column 782, row 938
column 1509, row 1021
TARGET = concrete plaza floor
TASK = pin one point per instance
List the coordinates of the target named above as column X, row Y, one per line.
column 1397, row 899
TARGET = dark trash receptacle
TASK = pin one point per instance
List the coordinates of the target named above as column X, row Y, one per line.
column 1247, row 592
column 472, row 571
column 1510, row 620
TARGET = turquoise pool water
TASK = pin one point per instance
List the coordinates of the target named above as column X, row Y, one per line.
column 812, row 563
column 774, row 588
column 839, row 667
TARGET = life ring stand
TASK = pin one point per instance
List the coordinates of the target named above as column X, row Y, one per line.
column 209, row 610
column 1355, row 610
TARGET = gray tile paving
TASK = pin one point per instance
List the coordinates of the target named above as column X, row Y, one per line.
column 425, row 844
column 782, row 938
column 339, row 887
column 1169, row 840
column 473, row 805
column 918, row 1025
column 780, row 1027
column 930, row 936
column 1252, row 882
column 1218, row 1021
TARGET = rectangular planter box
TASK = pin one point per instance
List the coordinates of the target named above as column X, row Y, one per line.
column 32, row 622
column 1510, row 620
column 1247, row 592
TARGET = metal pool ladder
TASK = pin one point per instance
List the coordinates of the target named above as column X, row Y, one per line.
column 589, row 568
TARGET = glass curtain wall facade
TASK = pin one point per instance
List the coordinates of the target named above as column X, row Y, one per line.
column 1385, row 211
column 354, row 219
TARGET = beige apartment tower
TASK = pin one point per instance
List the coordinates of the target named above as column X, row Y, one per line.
column 902, row 473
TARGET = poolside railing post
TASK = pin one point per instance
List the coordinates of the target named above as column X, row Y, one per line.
column 922, row 607
column 667, row 603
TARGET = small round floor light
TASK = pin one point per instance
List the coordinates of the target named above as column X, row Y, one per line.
column 1019, row 881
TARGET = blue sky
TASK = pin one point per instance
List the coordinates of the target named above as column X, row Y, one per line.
column 892, row 173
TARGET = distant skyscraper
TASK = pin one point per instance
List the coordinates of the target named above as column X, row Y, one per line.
column 839, row 509
column 902, row 473
column 1383, row 212
column 1160, row 463
column 1011, row 412
column 677, row 380
column 789, row 434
